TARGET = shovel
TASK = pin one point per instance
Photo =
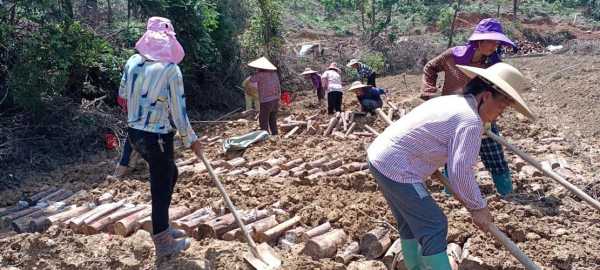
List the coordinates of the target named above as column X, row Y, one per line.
column 594, row 203
column 499, row 235
column 261, row 257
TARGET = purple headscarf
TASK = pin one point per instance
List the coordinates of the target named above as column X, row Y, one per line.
column 486, row 29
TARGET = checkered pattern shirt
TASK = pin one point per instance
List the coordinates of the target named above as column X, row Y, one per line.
column 444, row 129
column 364, row 71
column 492, row 155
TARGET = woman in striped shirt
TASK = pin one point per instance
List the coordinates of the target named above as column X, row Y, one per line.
column 448, row 130
column 152, row 88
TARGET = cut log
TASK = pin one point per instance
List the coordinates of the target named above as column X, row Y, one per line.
column 333, row 164
column 275, row 232
column 260, row 225
column 21, row 225
column 383, row 117
column 99, row 225
column 372, row 130
column 56, row 196
column 236, row 162
column 348, row 253
column 363, row 134
column 316, row 176
column 394, row 251
column 45, row 222
column 237, row 172
column 345, row 121
column 219, row 163
column 316, row 231
column 6, row 220
column 11, row 209
column 105, row 211
column 355, row 166
column 390, row 113
column 175, row 213
column 315, row 170
column 273, row 171
column 42, row 223
column 81, row 195
column 292, row 132
column 335, row 172
column 216, row 227
column 326, row 245
column 213, row 139
column 188, row 161
column 36, row 197
column 292, row 164
column 257, row 162
column 190, row 222
column 299, row 173
column 275, row 161
column 129, row 224
column 454, row 252
column 317, row 163
column 350, row 129
column 300, row 167
column 104, row 198
column 294, row 236
column 338, row 135
column 286, row 127
column 332, row 123
column 374, row 243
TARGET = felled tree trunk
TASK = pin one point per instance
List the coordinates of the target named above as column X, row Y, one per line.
column 326, row 245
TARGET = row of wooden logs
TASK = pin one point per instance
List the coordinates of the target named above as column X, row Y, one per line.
column 278, row 166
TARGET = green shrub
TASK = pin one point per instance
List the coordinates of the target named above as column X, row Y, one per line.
column 375, row 60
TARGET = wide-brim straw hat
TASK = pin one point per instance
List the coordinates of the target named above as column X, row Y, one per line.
column 507, row 79
column 262, row 63
column 352, row 62
column 357, row 85
column 308, row 71
column 334, row 67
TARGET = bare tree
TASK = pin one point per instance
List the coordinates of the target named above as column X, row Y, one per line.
column 515, row 9
column 453, row 22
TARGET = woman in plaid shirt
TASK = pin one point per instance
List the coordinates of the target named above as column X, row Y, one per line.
column 480, row 51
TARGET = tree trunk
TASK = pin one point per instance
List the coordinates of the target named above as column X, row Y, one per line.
column 515, row 9
column 109, row 13
column 451, row 35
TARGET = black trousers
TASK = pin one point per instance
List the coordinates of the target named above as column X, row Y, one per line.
column 334, row 102
column 267, row 116
column 163, row 172
column 371, row 79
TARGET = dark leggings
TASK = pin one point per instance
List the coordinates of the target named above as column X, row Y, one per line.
column 334, row 102
column 267, row 116
column 163, row 172
column 126, row 156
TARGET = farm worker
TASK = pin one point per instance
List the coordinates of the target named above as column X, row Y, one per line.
column 251, row 94
column 364, row 71
column 152, row 85
column 446, row 129
column 332, row 82
column 480, row 51
column 315, row 78
column 269, row 91
column 369, row 97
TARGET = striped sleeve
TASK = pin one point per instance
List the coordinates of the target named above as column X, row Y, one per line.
column 178, row 109
column 463, row 149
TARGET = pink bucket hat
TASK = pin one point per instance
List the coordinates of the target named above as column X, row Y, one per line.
column 159, row 42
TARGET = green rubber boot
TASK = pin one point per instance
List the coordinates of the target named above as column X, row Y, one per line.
column 411, row 253
column 436, row 262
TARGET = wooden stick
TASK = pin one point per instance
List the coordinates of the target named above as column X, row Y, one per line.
column 36, row 197
column 390, row 113
column 335, row 172
column 317, row 163
column 273, row 233
column 348, row 253
column 326, row 245
column 591, row 201
column 316, row 231
column 355, row 166
column 106, row 210
column 333, row 164
column 394, row 251
column 257, row 162
column 314, row 170
column 374, row 243
column 503, row 239
column 236, row 162
column 372, row 130
column 292, row 132
column 129, row 224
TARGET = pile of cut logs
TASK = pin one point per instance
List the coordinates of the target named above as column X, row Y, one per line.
column 305, row 171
